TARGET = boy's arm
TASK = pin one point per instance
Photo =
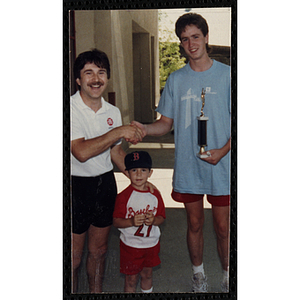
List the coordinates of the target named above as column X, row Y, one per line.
column 136, row 221
column 122, row 223
column 158, row 220
column 160, row 215
column 153, row 220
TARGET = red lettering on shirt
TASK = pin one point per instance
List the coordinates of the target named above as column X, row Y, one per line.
column 142, row 211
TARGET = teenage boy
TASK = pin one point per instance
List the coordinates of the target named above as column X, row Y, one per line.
column 137, row 214
column 179, row 106
column 96, row 133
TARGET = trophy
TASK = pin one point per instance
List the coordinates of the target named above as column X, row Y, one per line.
column 202, row 129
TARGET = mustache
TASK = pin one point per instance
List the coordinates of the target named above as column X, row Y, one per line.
column 96, row 83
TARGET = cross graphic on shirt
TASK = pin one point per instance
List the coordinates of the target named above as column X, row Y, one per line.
column 188, row 114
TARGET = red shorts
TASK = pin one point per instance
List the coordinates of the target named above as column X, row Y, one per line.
column 133, row 260
column 223, row 200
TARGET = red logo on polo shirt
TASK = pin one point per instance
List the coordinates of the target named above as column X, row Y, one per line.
column 110, row 121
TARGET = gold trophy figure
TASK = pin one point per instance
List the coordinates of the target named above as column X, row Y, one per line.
column 202, row 129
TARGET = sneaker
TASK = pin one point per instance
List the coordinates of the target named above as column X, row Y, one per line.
column 225, row 284
column 199, row 283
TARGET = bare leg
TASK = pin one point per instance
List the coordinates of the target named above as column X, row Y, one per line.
column 97, row 247
column 77, row 249
column 195, row 219
column 146, row 278
column 221, row 225
column 130, row 283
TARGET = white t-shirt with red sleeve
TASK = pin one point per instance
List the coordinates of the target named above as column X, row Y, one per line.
column 131, row 202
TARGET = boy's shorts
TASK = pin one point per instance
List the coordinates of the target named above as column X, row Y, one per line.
column 93, row 201
column 223, row 200
column 133, row 260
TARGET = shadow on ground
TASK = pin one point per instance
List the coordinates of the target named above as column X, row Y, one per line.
column 174, row 273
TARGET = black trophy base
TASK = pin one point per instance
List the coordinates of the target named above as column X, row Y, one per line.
column 202, row 138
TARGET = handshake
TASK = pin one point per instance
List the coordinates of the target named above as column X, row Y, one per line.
column 134, row 133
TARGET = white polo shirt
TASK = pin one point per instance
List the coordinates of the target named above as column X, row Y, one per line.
column 85, row 123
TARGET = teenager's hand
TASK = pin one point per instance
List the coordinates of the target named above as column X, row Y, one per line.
column 214, row 157
column 132, row 134
column 142, row 127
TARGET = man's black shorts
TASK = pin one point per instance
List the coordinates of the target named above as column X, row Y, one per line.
column 93, row 201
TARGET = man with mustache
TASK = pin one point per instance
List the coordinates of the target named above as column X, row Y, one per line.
column 96, row 134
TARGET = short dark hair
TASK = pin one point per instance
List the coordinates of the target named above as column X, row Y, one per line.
column 191, row 19
column 99, row 58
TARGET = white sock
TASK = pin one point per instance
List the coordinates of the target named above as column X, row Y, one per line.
column 198, row 269
column 226, row 272
column 147, row 291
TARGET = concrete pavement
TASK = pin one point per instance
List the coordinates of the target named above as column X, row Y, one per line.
column 175, row 273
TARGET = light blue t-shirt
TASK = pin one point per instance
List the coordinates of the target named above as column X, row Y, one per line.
column 181, row 101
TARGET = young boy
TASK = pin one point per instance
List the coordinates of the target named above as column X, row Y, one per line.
column 137, row 214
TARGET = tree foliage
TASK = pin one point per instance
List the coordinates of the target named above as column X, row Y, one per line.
column 170, row 59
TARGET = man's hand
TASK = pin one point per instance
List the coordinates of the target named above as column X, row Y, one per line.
column 132, row 134
column 142, row 127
